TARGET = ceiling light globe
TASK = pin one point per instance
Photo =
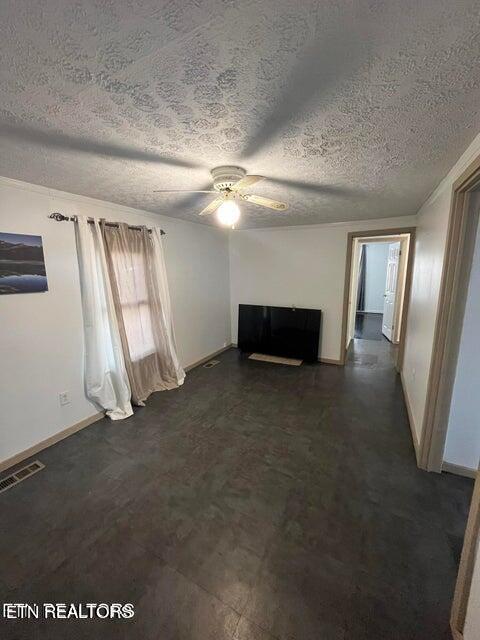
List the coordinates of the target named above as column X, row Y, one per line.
column 228, row 213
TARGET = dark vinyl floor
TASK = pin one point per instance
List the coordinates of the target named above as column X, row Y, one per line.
column 258, row 502
column 368, row 326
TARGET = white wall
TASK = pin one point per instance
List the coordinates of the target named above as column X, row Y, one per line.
column 41, row 337
column 302, row 266
column 429, row 253
column 375, row 275
column 463, row 434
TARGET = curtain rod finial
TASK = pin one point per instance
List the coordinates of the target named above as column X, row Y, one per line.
column 59, row 217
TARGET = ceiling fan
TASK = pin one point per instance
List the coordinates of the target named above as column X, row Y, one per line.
column 229, row 184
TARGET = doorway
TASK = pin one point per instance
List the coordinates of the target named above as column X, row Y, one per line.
column 377, row 285
column 377, row 288
column 444, row 386
column 461, row 452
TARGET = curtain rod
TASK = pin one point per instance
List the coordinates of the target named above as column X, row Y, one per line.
column 59, row 217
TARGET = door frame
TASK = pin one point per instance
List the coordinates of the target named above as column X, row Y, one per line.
column 460, row 243
column 459, row 248
column 367, row 233
column 467, row 565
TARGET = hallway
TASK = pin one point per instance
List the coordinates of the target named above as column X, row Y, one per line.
column 368, row 326
column 257, row 502
column 373, row 353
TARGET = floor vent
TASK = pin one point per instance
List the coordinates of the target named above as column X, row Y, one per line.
column 210, row 364
column 22, row 474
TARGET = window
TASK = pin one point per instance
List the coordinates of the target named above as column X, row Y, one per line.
column 131, row 277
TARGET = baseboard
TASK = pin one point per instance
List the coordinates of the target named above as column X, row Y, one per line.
column 378, row 313
column 458, row 470
column 411, row 421
column 61, row 435
column 209, row 357
column 330, row 361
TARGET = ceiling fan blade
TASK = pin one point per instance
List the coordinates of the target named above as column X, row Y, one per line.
column 328, row 60
column 315, row 187
column 213, row 206
column 63, row 142
column 184, row 191
column 245, row 182
column 266, row 202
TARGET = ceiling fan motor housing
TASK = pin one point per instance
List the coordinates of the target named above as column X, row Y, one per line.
column 225, row 177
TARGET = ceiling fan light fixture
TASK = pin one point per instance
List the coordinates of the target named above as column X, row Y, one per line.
column 228, row 213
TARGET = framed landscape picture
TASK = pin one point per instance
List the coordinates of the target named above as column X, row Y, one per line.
column 22, row 264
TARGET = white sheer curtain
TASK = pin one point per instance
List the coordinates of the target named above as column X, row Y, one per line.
column 106, row 377
column 164, row 293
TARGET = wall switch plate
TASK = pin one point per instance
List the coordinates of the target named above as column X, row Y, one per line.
column 63, row 398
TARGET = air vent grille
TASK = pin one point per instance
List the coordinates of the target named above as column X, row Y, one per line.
column 210, row 364
column 21, row 474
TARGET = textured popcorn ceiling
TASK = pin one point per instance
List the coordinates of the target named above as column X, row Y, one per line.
column 364, row 106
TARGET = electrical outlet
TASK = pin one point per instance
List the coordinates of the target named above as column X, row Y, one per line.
column 63, row 398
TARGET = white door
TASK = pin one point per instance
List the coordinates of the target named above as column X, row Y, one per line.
column 390, row 290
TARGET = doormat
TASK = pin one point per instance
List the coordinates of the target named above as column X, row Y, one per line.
column 275, row 359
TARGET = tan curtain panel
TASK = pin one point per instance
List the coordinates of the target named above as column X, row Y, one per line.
column 150, row 360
